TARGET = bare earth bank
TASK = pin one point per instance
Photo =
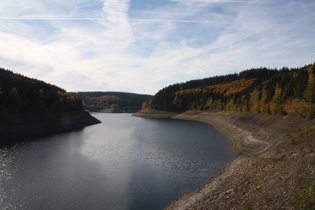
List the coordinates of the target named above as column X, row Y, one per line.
column 272, row 168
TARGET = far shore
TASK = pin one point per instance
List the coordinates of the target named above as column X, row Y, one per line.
column 154, row 114
column 257, row 138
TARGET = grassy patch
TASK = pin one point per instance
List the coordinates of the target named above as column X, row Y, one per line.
column 304, row 197
column 247, row 206
column 303, row 136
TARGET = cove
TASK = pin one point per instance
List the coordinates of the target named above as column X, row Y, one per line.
column 123, row 163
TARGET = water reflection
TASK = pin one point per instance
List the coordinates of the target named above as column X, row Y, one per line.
column 174, row 157
column 123, row 163
column 110, row 145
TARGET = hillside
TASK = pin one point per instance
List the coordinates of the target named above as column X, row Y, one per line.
column 268, row 115
column 272, row 91
column 112, row 101
column 275, row 170
column 30, row 108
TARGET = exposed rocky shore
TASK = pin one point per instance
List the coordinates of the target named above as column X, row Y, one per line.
column 25, row 126
column 276, row 168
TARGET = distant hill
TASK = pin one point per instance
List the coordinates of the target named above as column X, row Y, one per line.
column 31, row 108
column 112, row 101
column 273, row 91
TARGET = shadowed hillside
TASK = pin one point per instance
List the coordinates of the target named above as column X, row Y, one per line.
column 30, row 108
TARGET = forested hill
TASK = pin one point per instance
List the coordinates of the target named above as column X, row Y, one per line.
column 112, row 101
column 22, row 94
column 30, row 108
column 273, row 91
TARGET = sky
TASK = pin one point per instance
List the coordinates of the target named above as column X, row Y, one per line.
column 141, row 46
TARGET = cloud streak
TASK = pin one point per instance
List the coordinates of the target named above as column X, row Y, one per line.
column 105, row 19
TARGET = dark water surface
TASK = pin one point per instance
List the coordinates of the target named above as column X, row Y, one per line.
column 124, row 163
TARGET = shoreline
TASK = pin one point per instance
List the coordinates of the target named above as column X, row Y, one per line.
column 154, row 114
column 258, row 138
column 244, row 130
column 18, row 127
column 244, row 142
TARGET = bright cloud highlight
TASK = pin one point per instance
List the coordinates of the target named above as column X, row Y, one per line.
column 142, row 46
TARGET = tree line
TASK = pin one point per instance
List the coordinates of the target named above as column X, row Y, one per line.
column 96, row 101
column 261, row 90
column 19, row 93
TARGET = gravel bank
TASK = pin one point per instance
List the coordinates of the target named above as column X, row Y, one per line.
column 268, row 172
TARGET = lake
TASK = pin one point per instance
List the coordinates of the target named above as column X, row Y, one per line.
column 125, row 162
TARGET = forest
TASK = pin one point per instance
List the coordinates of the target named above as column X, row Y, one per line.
column 30, row 108
column 116, row 101
column 262, row 90
column 22, row 94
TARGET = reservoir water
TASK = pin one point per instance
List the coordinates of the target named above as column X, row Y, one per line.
column 123, row 163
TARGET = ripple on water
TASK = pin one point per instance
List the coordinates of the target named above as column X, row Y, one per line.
column 123, row 163
column 7, row 157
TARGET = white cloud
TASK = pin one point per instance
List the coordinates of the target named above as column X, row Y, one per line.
column 98, row 45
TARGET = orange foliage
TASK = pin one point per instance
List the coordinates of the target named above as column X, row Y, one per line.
column 232, row 87
column 226, row 89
